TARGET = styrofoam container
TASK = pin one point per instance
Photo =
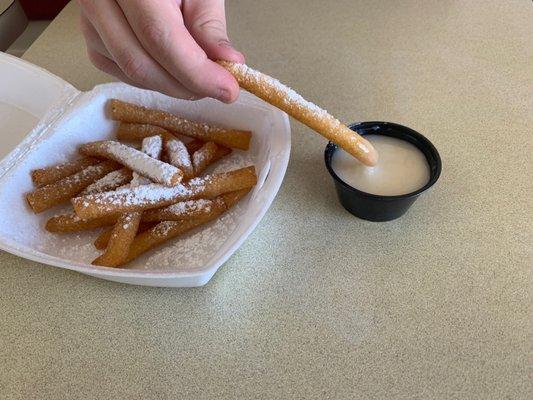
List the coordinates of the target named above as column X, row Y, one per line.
column 62, row 118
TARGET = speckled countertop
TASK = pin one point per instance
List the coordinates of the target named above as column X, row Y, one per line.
column 318, row 304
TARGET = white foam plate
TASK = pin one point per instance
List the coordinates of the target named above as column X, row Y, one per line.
column 64, row 118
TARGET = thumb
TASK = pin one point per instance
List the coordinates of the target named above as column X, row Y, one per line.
column 206, row 21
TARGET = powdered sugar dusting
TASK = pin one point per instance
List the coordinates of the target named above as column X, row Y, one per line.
column 127, row 220
column 141, row 163
column 145, row 194
column 109, row 182
column 237, row 159
column 189, row 251
column 198, row 158
column 139, row 180
column 178, row 154
column 153, row 146
column 185, row 207
column 80, row 179
column 193, row 249
column 73, row 217
column 77, row 247
column 163, row 228
column 203, row 155
column 290, row 97
column 84, row 174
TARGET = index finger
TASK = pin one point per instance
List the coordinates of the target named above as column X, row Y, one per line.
column 160, row 28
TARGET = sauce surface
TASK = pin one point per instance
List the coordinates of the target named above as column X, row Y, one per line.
column 402, row 168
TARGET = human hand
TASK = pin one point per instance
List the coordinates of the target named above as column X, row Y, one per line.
column 162, row 45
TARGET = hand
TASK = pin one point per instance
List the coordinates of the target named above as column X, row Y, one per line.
column 162, row 45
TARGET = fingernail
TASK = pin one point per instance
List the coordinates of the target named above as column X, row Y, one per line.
column 233, row 55
column 224, row 95
column 225, row 43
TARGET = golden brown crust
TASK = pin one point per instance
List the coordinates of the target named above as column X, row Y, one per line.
column 102, row 240
column 63, row 190
column 120, row 240
column 131, row 113
column 279, row 95
column 180, row 211
column 194, row 145
column 156, row 196
column 167, row 230
column 178, row 156
column 68, row 223
column 45, row 176
column 135, row 132
column 204, row 157
column 135, row 160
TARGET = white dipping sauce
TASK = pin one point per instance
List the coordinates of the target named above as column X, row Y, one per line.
column 402, row 168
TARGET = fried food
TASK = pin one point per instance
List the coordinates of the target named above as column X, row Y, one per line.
column 156, row 196
column 63, row 190
column 45, row 176
column 274, row 92
column 131, row 113
column 135, row 160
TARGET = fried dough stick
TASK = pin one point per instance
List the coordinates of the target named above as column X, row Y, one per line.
column 45, row 176
column 127, row 224
column 157, row 196
column 63, row 190
column 167, row 230
column 131, row 113
column 274, row 92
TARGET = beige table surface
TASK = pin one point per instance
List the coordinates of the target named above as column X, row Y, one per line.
column 318, row 304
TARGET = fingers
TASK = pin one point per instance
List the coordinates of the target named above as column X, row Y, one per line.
column 92, row 39
column 206, row 20
column 98, row 54
column 125, row 51
column 160, row 28
column 108, row 66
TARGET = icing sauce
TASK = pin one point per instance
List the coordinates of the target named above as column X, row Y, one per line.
column 402, row 168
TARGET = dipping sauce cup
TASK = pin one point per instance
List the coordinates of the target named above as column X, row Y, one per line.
column 380, row 208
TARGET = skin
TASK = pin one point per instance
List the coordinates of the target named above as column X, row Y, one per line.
column 163, row 45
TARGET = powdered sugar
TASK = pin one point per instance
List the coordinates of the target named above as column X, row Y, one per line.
column 153, row 146
column 237, row 159
column 84, row 174
column 74, row 217
column 289, row 96
column 198, row 158
column 109, row 182
column 203, row 156
column 145, row 194
column 139, row 180
column 163, row 228
column 178, row 155
column 66, row 187
column 141, row 163
column 184, row 207
column 126, row 220
column 76, row 247
column 192, row 249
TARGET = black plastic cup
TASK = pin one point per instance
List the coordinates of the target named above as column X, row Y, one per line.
column 379, row 208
